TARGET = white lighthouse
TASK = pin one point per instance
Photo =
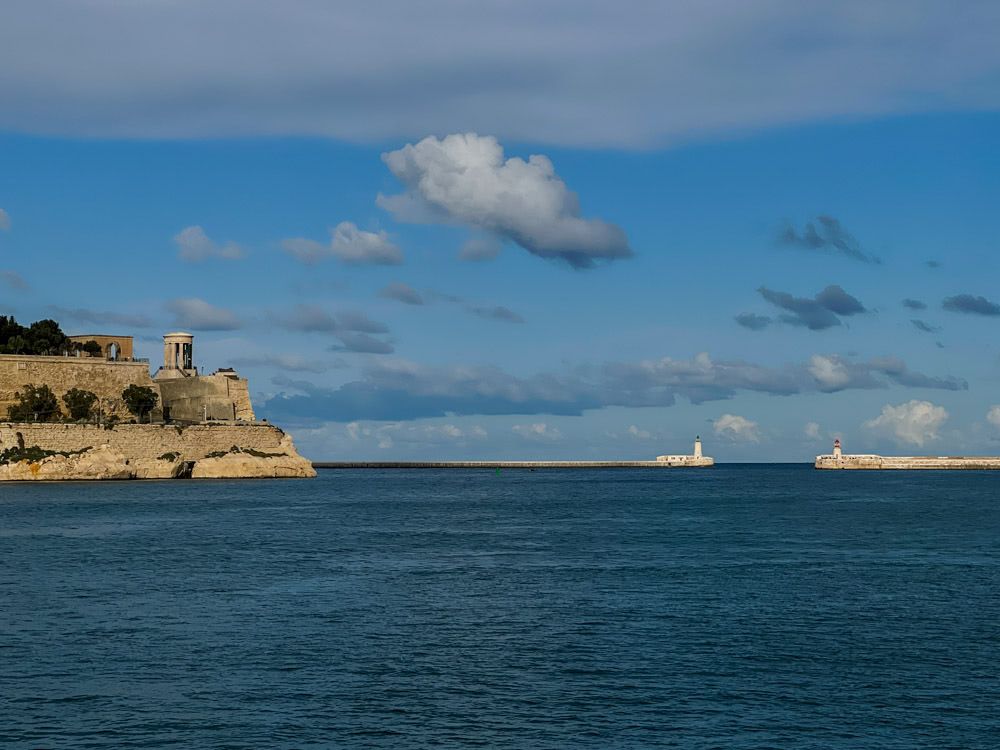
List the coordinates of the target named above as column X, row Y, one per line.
column 695, row 459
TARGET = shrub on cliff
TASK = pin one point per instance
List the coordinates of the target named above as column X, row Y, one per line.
column 79, row 402
column 34, row 454
column 140, row 400
column 35, row 404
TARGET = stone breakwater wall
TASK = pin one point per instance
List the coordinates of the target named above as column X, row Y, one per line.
column 106, row 379
column 682, row 461
column 875, row 462
column 152, row 449
column 506, row 464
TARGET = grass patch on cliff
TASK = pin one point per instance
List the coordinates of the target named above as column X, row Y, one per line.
column 248, row 451
column 34, row 454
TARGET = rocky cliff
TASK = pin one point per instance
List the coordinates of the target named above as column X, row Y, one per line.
column 243, row 463
column 101, row 462
column 70, row 452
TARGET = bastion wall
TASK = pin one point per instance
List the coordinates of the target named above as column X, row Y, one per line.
column 144, row 441
column 207, row 397
column 106, row 379
column 223, row 396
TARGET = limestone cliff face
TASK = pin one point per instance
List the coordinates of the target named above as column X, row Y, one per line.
column 237, row 465
column 101, row 462
column 284, row 462
column 147, row 452
column 168, row 467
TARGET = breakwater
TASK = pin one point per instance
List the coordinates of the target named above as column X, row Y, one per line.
column 874, row 462
column 503, row 465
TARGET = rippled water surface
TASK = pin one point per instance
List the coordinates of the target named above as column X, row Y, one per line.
column 737, row 607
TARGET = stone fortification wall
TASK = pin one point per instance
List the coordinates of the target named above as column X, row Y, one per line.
column 222, row 396
column 858, row 461
column 239, row 392
column 875, row 462
column 215, row 396
column 145, row 441
column 686, row 460
column 106, row 379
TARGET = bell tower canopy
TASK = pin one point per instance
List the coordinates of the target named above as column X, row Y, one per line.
column 178, row 353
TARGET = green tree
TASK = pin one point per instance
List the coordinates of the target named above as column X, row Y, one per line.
column 92, row 348
column 9, row 329
column 140, row 400
column 41, row 337
column 35, row 404
column 17, row 345
column 79, row 402
column 46, row 337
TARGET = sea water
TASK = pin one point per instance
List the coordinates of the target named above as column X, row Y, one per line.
column 734, row 607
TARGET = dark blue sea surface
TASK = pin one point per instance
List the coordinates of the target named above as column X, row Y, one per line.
column 734, row 607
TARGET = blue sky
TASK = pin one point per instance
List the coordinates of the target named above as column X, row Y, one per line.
column 276, row 209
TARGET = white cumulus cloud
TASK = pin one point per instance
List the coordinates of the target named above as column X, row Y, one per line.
column 830, row 373
column 737, row 428
column 480, row 248
column 915, row 422
column 349, row 245
column 812, row 430
column 285, row 362
column 4, row 220
column 199, row 315
column 390, row 434
column 464, row 178
column 538, row 431
column 993, row 416
column 402, row 293
column 194, row 245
